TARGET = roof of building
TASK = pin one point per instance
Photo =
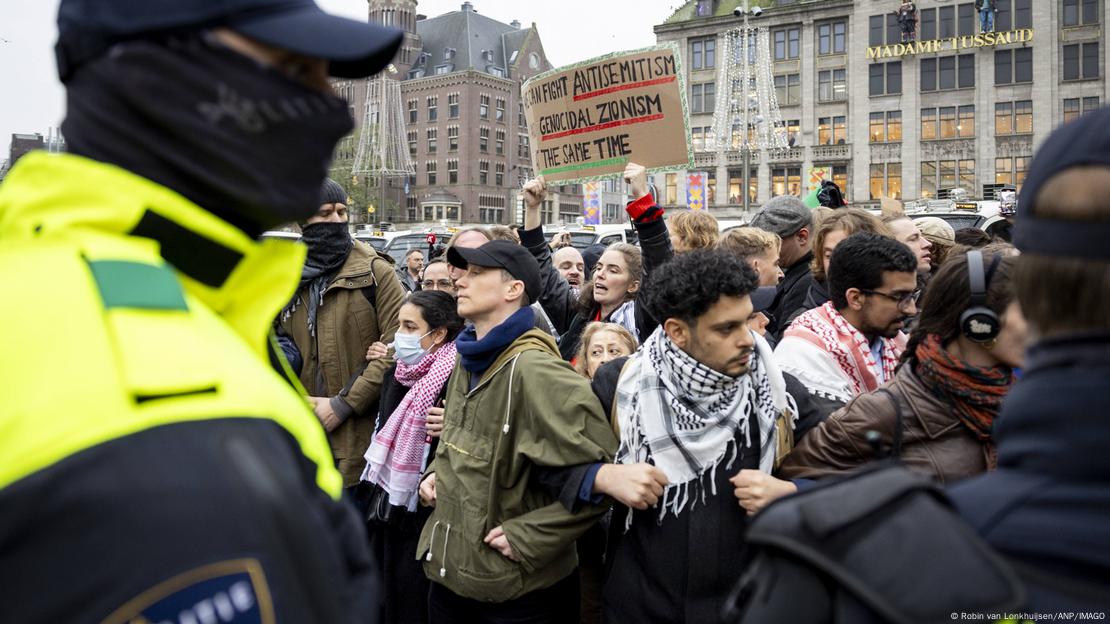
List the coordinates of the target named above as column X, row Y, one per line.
column 688, row 11
column 467, row 40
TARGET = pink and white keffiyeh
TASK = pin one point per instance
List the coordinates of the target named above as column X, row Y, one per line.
column 395, row 459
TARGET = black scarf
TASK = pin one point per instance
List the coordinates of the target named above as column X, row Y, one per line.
column 241, row 140
column 329, row 244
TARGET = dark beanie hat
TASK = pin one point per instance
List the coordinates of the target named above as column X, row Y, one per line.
column 332, row 193
column 1085, row 141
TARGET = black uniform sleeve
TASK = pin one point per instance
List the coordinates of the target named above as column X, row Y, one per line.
column 557, row 298
column 655, row 243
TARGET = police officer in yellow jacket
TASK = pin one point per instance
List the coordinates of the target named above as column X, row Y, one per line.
column 153, row 465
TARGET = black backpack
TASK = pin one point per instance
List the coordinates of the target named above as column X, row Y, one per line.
column 879, row 545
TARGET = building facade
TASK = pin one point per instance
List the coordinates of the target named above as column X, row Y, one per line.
column 955, row 107
column 461, row 74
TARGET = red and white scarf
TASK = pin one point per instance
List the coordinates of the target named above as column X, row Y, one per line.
column 395, row 459
column 828, row 330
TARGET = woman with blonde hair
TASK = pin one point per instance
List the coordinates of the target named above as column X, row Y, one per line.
column 693, row 229
column 601, row 343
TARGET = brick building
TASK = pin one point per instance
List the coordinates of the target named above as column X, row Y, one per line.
column 461, row 74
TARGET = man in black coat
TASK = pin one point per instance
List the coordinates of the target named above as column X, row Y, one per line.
column 792, row 221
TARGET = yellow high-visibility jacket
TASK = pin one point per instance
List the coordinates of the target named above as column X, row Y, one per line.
column 149, row 454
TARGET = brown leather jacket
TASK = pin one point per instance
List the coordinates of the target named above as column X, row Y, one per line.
column 933, row 440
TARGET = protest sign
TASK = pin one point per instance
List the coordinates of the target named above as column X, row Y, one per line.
column 587, row 121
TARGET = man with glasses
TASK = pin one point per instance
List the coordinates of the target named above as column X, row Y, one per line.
column 437, row 276
column 852, row 343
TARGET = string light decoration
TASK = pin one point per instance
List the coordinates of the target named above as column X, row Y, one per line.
column 382, row 147
column 749, row 99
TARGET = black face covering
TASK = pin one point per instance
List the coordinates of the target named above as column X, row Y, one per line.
column 329, row 244
column 241, row 140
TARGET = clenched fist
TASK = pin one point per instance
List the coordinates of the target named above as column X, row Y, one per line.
column 756, row 489
column 638, row 486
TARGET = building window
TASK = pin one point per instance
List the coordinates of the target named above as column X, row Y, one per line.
column 786, row 43
column 703, row 139
column 885, row 78
column 1011, row 170
column 840, row 178
column 703, row 53
column 945, row 175
column 948, row 72
column 832, row 85
column 832, row 131
column 965, row 19
column 499, row 147
column 965, row 126
column 793, row 127
column 483, row 106
column 965, row 64
column 1013, row 66
column 947, row 116
column 886, row 127
column 788, row 89
column 452, row 171
column 886, row 181
column 1081, row 61
column 929, row 130
column 453, row 106
column 831, row 37
column 412, row 112
column 433, row 108
column 412, row 143
column 483, row 140
column 884, row 29
column 521, row 120
column 736, row 182
column 704, row 97
column 432, row 140
column 430, row 168
column 946, row 20
column 1080, row 12
column 483, row 172
column 453, row 139
column 1013, row 117
column 499, row 113
column 786, row 181
column 524, row 148
column 927, row 22
column 499, row 177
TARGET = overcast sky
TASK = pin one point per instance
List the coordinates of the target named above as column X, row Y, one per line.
column 31, row 99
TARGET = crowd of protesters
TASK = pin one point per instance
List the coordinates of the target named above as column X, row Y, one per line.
column 510, row 429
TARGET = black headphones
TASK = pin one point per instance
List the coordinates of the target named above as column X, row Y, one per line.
column 978, row 322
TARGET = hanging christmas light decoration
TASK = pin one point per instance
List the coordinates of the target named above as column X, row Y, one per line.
column 746, row 83
column 382, row 148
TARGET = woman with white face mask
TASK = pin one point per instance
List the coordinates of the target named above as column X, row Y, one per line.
column 410, row 418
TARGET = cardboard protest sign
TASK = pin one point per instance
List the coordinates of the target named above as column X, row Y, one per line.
column 587, row 121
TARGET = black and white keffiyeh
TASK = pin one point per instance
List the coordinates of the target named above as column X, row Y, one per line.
column 683, row 416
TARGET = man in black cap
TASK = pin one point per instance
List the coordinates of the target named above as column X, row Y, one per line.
column 790, row 219
column 1047, row 506
column 499, row 546
column 156, row 467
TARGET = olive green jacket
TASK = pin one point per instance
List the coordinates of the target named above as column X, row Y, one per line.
column 529, row 410
column 335, row 363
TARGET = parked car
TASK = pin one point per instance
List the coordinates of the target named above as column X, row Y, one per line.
column 583, row 236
